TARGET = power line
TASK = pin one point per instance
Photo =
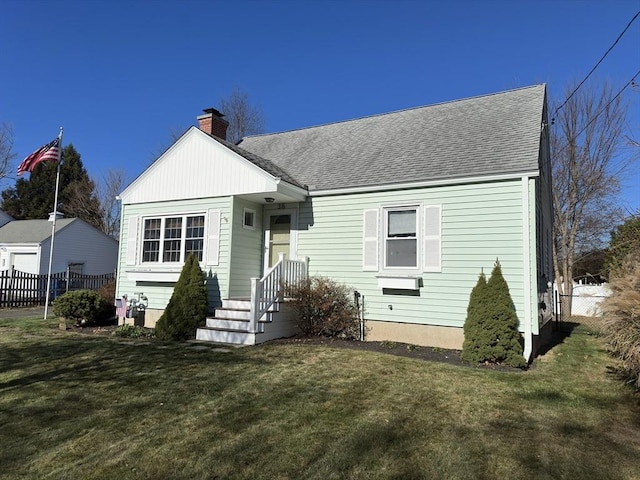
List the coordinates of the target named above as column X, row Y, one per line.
column 600, row 112
column 599, row 62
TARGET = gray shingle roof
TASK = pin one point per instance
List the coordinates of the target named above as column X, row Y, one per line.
column 266, row 165
column 30, row 231
column 480, row 136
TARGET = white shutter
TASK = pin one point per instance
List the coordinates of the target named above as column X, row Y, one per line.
column 132, row 240
column 432, row 240
column 213, row 237
column 370, row 240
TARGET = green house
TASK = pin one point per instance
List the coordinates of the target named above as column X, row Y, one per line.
column 407, row 208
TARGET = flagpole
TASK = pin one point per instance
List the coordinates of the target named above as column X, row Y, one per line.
column 53, row 227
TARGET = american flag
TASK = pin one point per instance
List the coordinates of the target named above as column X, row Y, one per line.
column 50, row 151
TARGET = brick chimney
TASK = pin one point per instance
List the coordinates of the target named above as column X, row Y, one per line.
column 213, row 123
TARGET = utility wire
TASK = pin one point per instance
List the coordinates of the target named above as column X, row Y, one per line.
column 600, row 112
column 599, row 62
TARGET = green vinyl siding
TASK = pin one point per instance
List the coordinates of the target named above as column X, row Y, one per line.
column 246, row 254
column 480, row 222
column 159, row 293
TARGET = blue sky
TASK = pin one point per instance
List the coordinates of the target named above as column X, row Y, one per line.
column 120, row 76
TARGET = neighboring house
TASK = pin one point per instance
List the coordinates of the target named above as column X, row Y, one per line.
column 25, row 246
column 406, row 207
column 5, row 218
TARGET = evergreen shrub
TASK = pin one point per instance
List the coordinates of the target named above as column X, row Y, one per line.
column 81, row 306
column 325, row 308
column 187, row 308
column 491, row 328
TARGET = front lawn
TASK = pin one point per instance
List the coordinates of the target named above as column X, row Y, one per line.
column 90, row 407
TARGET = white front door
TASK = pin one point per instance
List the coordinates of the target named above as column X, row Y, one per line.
column 278, row 236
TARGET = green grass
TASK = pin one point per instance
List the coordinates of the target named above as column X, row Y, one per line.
column 79, row 407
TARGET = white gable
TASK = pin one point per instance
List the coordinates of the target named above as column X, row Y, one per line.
column 198, row 166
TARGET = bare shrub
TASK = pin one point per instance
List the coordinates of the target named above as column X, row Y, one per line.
column 621, row 312
column 108, row 291
column 325, row 308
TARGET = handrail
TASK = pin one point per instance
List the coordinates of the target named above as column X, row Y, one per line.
column 269, row 289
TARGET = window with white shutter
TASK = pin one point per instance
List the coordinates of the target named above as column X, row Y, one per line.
column 132, row 240
column 432, row 241
column 404, row 239
column 370, row 240
column 213, row 237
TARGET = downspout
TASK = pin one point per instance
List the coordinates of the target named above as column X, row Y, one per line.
column 526, row 247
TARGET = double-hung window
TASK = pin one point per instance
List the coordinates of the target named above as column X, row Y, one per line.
column 171, row 239
column 401, row 237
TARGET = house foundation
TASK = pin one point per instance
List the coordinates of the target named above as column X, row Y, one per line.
column 423, row 335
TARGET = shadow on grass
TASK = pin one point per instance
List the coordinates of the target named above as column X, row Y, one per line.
column 85, row 359
column 558, row 336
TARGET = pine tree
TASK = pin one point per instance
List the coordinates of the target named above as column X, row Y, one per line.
column 474, row 325
column 491, row 329
column 187, row 308
column 200, row 300
column 33, row 198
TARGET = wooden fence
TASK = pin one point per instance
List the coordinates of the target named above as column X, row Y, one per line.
column 21, row 289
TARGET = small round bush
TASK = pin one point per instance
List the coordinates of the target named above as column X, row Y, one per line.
column 81, row 306
column 133, row 331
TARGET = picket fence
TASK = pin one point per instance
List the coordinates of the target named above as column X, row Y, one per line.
column 21, row 289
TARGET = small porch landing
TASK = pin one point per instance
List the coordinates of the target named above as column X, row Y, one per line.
column 231, row 324
column 265, row 316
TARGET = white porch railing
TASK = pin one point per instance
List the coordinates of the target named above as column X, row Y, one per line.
column 267, row 290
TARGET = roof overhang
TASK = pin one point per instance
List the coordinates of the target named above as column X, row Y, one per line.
column 282, row 192
column 424, row 184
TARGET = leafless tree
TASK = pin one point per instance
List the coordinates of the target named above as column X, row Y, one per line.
column 586, row 141
column 6, row 149
column 97, row 201
column 173, row 134
column 634, row 141
column 243, row 117
column 111, row 185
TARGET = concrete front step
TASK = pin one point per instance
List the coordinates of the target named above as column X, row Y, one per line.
column 230, row 324
column 233, row 314
column 235, row 337
column 242, row 304
column 236, row 303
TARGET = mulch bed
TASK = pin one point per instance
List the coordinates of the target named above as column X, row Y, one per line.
column 429, row 354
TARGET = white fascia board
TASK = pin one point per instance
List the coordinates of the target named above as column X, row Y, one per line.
column 428, row 183
column 20, row 247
